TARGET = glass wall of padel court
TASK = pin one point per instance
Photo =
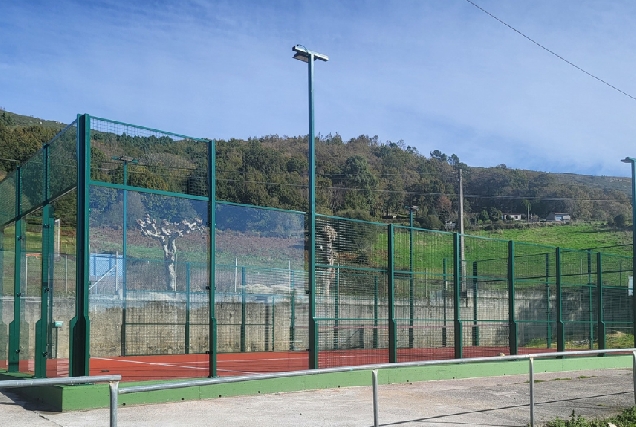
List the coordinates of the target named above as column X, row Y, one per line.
column 109, row 265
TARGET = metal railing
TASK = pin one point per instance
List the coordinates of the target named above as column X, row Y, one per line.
column 115, row 391
column 529, row 357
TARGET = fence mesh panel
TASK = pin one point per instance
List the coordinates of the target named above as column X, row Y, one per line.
column 484, row 282
column 63, row 162
column 617, row 301
column 8, row 198
column 7, row 264
column 424, row 294
column 351, row 292
column 32, row 183
column 150, row 158
column 535, row 297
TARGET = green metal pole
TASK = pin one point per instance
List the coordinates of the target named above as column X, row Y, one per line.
column 292, row 321
column 376, row 303
column 4, row 335
column 457, row 323
column 444, row 294
column 313, row 326
column 336, row 308
column 513, row 341
column 391, row 297
column 42, row 324
column 80, row 324
column 187, row 313
column 633, row 163
column 591, row 287
column 475, row 309
column 547, row 302
column 559, row 304
column 411, row 281
column 243, row 308
column 308, row 56
column 212, row 332
column 273, row 322
column 599, row 302
column 124, row 257
column 14, row 325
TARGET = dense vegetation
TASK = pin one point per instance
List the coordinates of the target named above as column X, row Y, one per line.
column 361, row 178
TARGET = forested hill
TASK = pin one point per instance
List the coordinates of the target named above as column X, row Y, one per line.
column 368, row 179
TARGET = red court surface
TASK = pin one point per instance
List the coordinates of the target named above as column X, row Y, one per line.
column 181, row 366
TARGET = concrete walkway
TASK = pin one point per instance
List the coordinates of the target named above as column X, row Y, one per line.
column 500, row 401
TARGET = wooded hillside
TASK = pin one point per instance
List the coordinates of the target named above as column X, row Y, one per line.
column 362, row 178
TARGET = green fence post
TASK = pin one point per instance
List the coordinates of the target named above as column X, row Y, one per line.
column 80, row 324
column 475, row 339
column 42, row 325
column 513, row 341
column 548, row 330
column 4, row 335
column 212, row 331
column 411, row 283
column 590, row 287
column 243, row 307
column 14, row 325
column 336, row 309
column 124, row 255
column 292, row 309
column 444, row 295
column 187, row 313
column 559, row 304
column 376, row 302
column 391, row 297
column 273, row 322
column 599, row 302
column 457, row 323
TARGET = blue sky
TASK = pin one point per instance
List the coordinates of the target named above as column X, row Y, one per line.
column 437, row 74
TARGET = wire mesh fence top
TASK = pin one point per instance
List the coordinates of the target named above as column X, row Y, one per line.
column 147, row 158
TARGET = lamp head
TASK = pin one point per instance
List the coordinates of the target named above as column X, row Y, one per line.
column 628, row 160
column 304, row 54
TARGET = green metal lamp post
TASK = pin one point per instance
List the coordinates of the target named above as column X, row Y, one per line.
column 632, row 161
column 305, row 55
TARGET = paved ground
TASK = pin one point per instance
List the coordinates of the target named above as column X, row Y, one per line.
column 501, row 401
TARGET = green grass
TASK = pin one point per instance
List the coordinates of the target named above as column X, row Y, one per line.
column 627, row 418
column 572, row 236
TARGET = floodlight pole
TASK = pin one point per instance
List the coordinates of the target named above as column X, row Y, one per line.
column 632, row 161
column 305, row 55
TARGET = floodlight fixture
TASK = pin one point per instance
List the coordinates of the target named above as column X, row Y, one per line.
column 304, row 54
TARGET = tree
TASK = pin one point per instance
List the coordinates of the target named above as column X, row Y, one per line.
column 166, row 234
column 619, row 220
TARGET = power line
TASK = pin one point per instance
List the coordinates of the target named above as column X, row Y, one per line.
column 551, row 51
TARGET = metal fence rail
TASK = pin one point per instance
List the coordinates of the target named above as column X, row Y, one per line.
column 374, row 368
column 115, row 391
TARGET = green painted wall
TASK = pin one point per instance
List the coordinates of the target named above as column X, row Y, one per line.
column 72, row 398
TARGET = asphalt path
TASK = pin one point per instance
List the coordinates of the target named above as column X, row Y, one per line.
column 495, row 401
